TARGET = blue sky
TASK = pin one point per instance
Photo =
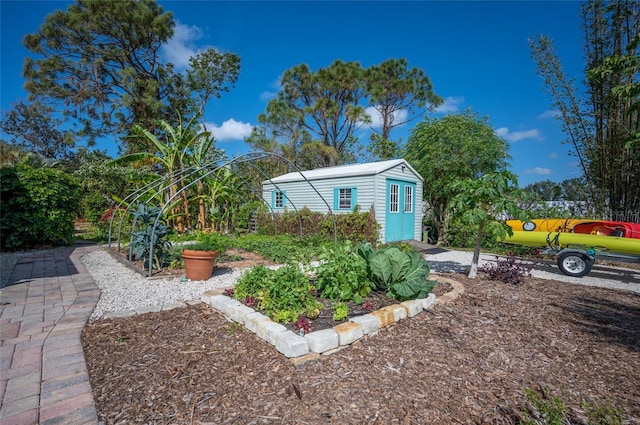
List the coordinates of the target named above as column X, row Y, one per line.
column 476, row 54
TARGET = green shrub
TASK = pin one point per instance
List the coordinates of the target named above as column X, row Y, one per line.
column 462, row 235
column 94, row 206
column 243, row 216
column 355, row 226
column 38, row 207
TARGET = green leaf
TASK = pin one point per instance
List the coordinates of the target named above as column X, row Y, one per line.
column 413, row 285
column 381, row 269
column 400, row 263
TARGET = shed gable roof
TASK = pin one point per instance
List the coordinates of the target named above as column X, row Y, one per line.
column 351, row 170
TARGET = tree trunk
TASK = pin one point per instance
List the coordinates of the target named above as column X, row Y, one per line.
column 476, row 252
column 201, row 211
column 442, row 227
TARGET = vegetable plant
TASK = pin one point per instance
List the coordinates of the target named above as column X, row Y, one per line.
column 302, row 325
column 340, row 311
column 143, row 239
column 403, row 275
column 252, row 282
column 342, row 274
column 284, row 294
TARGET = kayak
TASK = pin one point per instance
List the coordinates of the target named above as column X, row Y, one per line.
column 586, row 242
column 609, row 228
column 582, row 226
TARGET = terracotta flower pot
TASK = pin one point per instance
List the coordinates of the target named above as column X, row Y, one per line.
column 199, row 264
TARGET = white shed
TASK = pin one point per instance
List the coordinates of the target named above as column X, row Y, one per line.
column 393, row 188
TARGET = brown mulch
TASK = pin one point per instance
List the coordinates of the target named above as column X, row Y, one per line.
column 468, row 361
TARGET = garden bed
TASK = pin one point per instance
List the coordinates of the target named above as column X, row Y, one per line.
column 374, row 301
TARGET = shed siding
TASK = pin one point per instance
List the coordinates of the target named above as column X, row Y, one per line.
column 301, row 194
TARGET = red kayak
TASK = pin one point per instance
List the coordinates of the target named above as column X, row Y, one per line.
column 608, row 228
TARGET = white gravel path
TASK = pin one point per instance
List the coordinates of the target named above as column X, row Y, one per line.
column 124, row 291
column 604, row 277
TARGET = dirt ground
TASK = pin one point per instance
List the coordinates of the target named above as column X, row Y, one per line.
column 468, row 361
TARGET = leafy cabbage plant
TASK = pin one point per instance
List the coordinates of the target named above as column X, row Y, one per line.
column 403, row 275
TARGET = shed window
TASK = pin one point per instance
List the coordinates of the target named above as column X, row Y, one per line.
column 278, row 199
column 408, row 199
column 345, row 198
column 394, row 198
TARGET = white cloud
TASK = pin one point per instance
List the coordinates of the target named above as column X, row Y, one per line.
column 552, row 113
column 181, row 46
column 376, row 118
column 541, row 171
column 270, row 94
column 230, row 130
column 517, row 135
column 450, row 104
column 552, row 155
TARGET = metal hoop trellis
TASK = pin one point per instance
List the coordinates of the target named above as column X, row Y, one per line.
column 212, row 168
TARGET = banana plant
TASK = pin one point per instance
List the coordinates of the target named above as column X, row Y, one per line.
column 204, row 153
column 174, row 152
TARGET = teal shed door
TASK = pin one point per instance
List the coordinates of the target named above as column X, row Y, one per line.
column 400, row 211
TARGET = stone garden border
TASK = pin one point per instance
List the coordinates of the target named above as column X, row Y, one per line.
column 300, row 348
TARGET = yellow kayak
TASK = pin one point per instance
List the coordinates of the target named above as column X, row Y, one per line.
column 600, row 244
column 546, row 224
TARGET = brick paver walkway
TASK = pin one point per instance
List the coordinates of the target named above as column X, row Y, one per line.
column 43, row 373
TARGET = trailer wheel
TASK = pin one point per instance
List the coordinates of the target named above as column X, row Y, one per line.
column 574, row 263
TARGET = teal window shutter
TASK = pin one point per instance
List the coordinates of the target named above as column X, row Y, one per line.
column 354, row 198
